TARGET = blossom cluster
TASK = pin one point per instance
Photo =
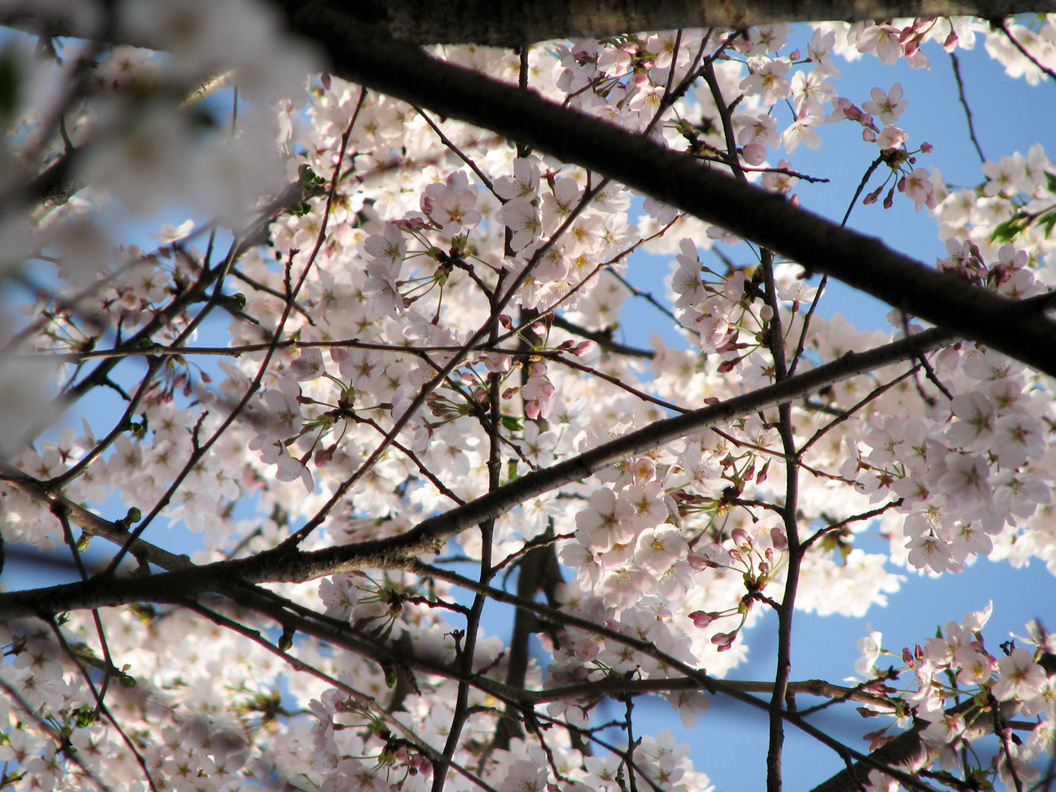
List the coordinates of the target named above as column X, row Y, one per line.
column 959, row 690
column 427, row 314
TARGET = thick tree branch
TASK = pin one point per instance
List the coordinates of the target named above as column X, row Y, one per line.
column 286, row 564
column 355, row 40
column 515, row 23
column 862, row 262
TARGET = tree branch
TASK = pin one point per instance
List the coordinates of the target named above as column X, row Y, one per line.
column 287, row 564
column 514, row 23
column 862, row 262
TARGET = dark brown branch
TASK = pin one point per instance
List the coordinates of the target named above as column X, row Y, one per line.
column 286, row 563
column 862, row 262
column 513, row 23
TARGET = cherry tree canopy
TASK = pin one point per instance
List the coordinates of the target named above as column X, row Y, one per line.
column 423, row 408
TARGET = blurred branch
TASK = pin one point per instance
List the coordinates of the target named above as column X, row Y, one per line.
column 513, row 23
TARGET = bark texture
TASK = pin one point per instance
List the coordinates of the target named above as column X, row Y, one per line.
column 512, row 23
column 517, row 23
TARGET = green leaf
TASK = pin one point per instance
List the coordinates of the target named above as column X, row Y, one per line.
column 127, row 681
column 1009, row 229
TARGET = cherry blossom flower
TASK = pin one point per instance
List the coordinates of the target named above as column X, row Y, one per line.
column 659, row 548
column 387, row 248
column 891, row 137
column 919, row 189
column 887, row 106
column 780, row 183
column 801, row 132
column 1005, row 176
column 975, row 429
column 308, row 365
column 931, row 552
column 967, row 478
column 811, row 92
column 608, row 521
column 450, row 205
column 881, row 40
column 1021, row 677
column 820, row 52
column 767, row 79
column 756, row 128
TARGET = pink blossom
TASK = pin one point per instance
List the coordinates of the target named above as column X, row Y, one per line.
column 308, row 365
column 387, row 248
column 1020, row 678
column 659, row 548
column 724, row 641
column 780, row 183
column 967, row 479
column 891, row 137
column 760, row 128
column 812, row 92
column 919, row 189
column 801, row 131
column 701, row 619
column 975, row 427
column 768, row 79
column 883, row 41
column 450, row 205
column 754, row 153
column 607, row 522
column 888, row 106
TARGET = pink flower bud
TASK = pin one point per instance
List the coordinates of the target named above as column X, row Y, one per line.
column 723, row 640
column 754, row 153
column 701, row 619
